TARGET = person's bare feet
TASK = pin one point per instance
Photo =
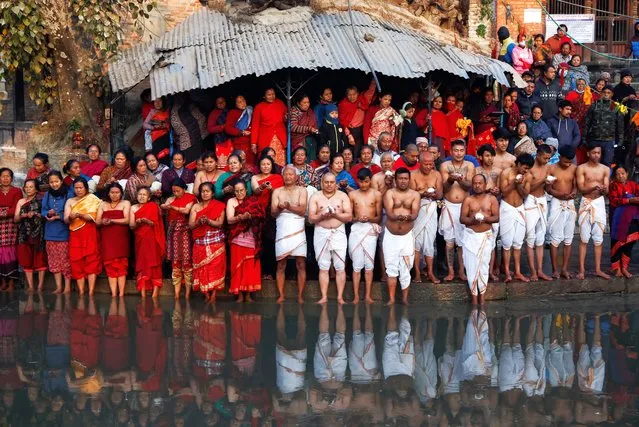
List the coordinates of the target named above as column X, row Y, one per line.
column 543, row 276
column 533, row 278
column 555, row 275
column 617, row 272
column 521, row 277
column 433, row 279
column 30, row 290
column 508, row 278
column 626, row 273
column 450, row 277
column 384, row 278
column 418, row 278
column 322, row 301
column 300, row 299
column 280, row 299
column 462, row 277
column 39, row 288
column 341, row 301
column 566, row 274
column 240, row 298
column 356, row 299
column 601, row 274
column 369, row 300
column 391, row 302
column 474, row 300
column 249, row 299
column 581, row 275
column 59, row 291
column 494, row 277
column 405, row 301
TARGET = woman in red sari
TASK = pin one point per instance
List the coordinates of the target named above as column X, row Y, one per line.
column 245, row 216
column 439, row 124
column 238, row 127
column 9, row 196
column 113, row 220
column 146, row 222
column 268, row 127
column 94, row 166
column 209, row 249
column 178, row 234
column 158, row 122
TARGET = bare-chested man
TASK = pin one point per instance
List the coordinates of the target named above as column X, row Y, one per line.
column 381, row 182
column 457, row 174
column 593, row 180
column 428, row 183
column 562, row 186
column 503, row 159
column 329, row 210
column 512, row 216
column 401, row 205
column 486, row 156
column 479, row 212
column 288, row 207
column 536, row 207
column 362, row 242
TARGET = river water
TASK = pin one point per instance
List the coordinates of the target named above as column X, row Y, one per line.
column 71, row 362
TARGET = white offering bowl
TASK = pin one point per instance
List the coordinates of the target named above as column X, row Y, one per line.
column 479, row 216
column 430, row 190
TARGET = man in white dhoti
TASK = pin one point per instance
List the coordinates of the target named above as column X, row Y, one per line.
column 591, row 368
column 457, row 174
column 535, row 359
column 479, row 212
column 288, row 207
column 401, row 205
column 511, row 359
column 560, row 365
column 362, row 242
column 398, row 357
column 330, row 360
column 362, row 359
column 476, row 355
column 425, row 362
column 536, row 207
column 329, row 210
column 428, row 183
column 512, row 216
column 561, row 223
column 593, row 181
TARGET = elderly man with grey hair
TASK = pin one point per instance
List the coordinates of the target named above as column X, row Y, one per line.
column 384, row 143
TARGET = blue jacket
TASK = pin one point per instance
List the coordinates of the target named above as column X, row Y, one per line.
column 538, row 130
column 566, row 131
column 55, row 231
column 320, row 111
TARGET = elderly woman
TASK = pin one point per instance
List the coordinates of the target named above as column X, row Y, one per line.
column 224, row 184
column 209, row 173
column 155, row 167
column 72, row 169
column 245, row 217
column 178, row 235
column 9, row 197
column 95, row 165
column 381, row 118
column 576, row 71
column 268, row 126
column 304, row 128
column 343, row 179
column 158, row 123
column 31, row 250
column 177, row 171
column 209, row 250
column 56, row 232
column 113, row 220
column 538, row 130
column 305, row 172
column 140, row 178
column 238, row 127
column 120, row 169
column 40, row 172
column 624, row 226
column 146, row 222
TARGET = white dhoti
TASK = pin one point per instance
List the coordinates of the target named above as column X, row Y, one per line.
column 290, row 236
column 560, row 365
column 535, row 370
column 476, row 353
column 478, row 248
column 362, row 244
column 426, row 371
column 330, row 245
column 536, row 213
column 362, row 359
column 399, row 255
column 290, row 369
column 511, row 367
column 398, row 357
column 449, row 225
column 592, row 220
column 425, row 228
column 450, row 371
column 561, row 223
column 330, row 359
column 512, row 225
column 591, row 369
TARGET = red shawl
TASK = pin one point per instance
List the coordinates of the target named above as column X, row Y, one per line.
column 452, row 118
column 144, row 233
column 91, row 169
column 114, row 237
column 252, row 205
column 180, row 202
column 439, row 122
column 212, row 211
column 268, row 121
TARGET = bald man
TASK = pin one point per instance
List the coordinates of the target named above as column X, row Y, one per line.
column 409, row 159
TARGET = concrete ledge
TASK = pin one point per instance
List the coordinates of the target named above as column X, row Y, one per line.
column 425, row 292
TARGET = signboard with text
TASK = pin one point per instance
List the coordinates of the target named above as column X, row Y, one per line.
column 580, row 27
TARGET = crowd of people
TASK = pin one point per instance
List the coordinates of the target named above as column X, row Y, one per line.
column 89, row 362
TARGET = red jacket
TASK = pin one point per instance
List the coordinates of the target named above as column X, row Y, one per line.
column 268, row 120
column 239, row 141
column 211, row 123
column 618, row 192
column 400, row 163
column 347, row 109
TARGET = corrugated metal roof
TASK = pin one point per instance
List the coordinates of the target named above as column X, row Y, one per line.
column 209, row 49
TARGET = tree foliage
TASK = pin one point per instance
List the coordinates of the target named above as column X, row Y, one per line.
column 38, row 35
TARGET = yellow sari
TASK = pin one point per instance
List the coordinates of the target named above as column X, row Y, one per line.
column 88, row 205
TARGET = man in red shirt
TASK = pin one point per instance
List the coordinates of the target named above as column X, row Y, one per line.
column 408, row 159
column 365, row 161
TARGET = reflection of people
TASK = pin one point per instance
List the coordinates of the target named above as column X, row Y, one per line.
column 591, row 368
column 535, row 359
column 425, row 362
column 559, row 360
column 511, row 366
column 476, row 354
column 245, row 338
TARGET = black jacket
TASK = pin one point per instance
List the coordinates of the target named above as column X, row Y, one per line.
column 526, row 103
column 334, row 136
column 549, row 95
column 603, row 123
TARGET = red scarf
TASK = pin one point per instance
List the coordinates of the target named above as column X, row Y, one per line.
column 151, row 211
column 251, row 204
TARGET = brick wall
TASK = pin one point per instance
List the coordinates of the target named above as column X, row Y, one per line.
column 517, row 15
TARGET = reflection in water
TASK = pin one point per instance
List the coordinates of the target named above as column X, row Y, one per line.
column 149, row 363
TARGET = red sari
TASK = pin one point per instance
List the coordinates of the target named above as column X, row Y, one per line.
column 93, row 168
column 85, row 337
column 115, row 344
column 441, row 135
column 149, row 247
column 179, row 234
column 246, row 332
column 114, row 245
column 246, row 245
column 209, row 344
column 268, row 128
column 84, row 242
column 209, row 251
column 150, row 345
column 222, row 152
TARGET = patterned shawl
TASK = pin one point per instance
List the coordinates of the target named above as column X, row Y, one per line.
column 252, row 205
column 31, row 230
